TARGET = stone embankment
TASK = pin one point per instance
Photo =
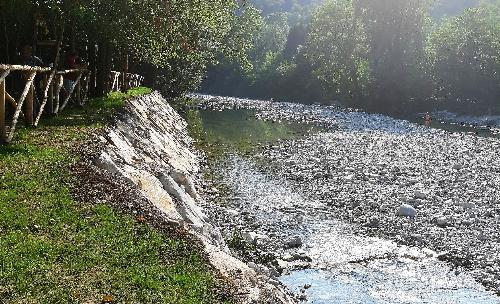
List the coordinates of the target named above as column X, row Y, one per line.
column 149, row 147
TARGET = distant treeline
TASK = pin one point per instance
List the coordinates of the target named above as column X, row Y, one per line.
column 386, row 55
column 169, row 42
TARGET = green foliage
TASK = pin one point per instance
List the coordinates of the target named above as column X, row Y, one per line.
column 270, row 44
column 465, row 51
column 337, row 48
column 54, row 249
column 180, row 38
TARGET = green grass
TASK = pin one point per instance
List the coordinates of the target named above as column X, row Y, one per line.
column 54, row 249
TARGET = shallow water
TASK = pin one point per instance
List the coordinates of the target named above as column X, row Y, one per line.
column 233, row 127
column 345, row 267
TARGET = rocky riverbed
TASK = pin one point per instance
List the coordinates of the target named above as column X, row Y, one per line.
column 373, row 192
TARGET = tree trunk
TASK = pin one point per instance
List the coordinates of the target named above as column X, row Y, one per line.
column 93, row 68
column 125, row 73
column 6, row 37
column 103, row 68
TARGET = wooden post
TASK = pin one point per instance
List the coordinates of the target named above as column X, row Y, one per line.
column 20, row 105
column 70, row 92
column 86, row 88
column 29, row 105
column 50, row 98
column 78, row 92
column 3, row 131
column 48, row 82
column 59, row 83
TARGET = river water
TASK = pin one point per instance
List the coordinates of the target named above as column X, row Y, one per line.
column 337, row 262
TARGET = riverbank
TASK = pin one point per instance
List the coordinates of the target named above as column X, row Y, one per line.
column 361, row 179
column 70, row 233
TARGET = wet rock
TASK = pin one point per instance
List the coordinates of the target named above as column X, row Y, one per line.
column 442, row 221
column 373, row 222
column 407, row 211
column 300, row 257
column 294, row 242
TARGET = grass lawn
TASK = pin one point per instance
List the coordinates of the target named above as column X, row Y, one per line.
column 54, row 249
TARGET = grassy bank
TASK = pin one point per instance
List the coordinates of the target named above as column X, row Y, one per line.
column 55, row 249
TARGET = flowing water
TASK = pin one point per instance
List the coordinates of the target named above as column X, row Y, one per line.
column 343, row 265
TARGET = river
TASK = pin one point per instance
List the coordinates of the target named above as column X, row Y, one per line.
column 315, row 191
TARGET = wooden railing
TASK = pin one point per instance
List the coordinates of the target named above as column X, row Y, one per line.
column 130, row 81
column 51, row 83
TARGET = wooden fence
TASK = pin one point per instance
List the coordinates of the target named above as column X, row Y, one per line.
column 51, row 82
column 118, row 82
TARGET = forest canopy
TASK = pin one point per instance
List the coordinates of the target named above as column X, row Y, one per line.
column 388, row 55
column 173, row 41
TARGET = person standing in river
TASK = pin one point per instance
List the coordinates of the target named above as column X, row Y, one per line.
column 427, row 119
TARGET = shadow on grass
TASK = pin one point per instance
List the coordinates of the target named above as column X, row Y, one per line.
column 96, row 111
column 8, row 150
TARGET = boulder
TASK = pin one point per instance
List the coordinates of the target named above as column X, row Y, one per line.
column 407, row 210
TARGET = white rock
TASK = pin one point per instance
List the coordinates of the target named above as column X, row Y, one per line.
column 407, row 210
column 233, row 212
column 183, row 179
column 187, row 207
column 254, row 238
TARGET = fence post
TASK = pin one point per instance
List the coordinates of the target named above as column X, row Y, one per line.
column 50, row 98
column 3, row 131
column 79, row 90
column 59, row 83
column 29, row 105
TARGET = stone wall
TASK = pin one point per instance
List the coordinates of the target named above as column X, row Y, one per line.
column 149, row 146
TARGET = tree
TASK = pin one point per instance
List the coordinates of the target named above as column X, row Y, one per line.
column 465, row 52
column 179, row 38
column 337, row 49
column 396, row 37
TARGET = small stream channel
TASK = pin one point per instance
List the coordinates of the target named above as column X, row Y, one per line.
column 335, row 263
